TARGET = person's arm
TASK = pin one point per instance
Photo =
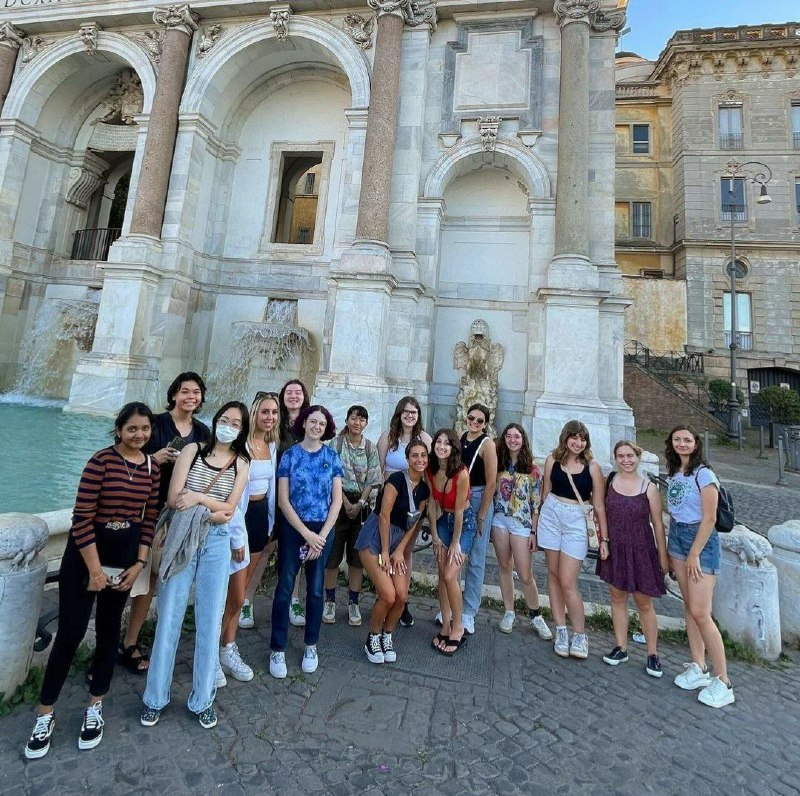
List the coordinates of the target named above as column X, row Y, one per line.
column 383, row 449
column 426, row 438
column 83, row 516
column 180, row 473
column 599, row 504
column 373, row 477
column 709, row 497
column 534, row 502
column 656, row 517
column 384, row 522
column 488, row 453
column 398, row 559
column 546, row 482
column 462, row 501
column 272, row 489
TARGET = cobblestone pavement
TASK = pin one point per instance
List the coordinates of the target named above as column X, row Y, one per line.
column 504, row 716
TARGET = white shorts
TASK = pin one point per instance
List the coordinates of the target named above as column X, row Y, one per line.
column 506, row 524
column 562, row 526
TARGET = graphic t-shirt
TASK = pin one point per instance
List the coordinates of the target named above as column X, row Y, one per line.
column 683, row 496
column 310, row 480
column 518, row 495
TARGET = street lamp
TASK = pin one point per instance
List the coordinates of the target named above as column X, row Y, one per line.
column 760, row 178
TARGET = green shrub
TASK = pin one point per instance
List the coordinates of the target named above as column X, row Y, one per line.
column 782, row 406
column 719, row 391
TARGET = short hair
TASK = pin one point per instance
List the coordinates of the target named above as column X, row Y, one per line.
column 298, row 428
column 172, row 390
column 358, row 410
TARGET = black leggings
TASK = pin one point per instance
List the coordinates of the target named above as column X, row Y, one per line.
column 75, row 604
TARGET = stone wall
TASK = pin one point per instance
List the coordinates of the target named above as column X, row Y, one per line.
column 657, row 317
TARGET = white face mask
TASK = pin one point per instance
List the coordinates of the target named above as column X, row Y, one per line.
column 227, row 434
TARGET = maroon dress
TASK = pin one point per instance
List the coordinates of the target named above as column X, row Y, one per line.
column 632, row 564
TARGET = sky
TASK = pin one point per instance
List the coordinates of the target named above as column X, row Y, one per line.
column 652, row 22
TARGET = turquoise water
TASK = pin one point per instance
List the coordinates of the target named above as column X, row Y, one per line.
column 46, row 450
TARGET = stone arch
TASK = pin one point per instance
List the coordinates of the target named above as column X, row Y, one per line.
column 23, row 103
column 469, row 155
column 199, row 98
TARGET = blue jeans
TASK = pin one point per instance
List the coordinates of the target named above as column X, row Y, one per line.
column 680, row 541
column 289, row 544
column 476, row 565
column 208, row 570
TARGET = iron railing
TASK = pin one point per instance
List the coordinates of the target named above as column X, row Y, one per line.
column 744, row 340
column 664, row 361
column 731, row 141
column 93, row 244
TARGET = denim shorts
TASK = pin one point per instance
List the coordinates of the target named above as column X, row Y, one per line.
column 469, row 529
column 681, row 538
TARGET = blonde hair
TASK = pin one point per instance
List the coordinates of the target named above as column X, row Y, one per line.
column 271, row 436
column 632, row 445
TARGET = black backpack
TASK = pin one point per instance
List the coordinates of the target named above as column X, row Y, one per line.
column 725, row 517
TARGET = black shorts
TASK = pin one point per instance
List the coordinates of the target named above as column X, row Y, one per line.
column 257, row 521
column 345, row 534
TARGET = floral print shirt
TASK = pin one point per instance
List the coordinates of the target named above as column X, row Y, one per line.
column 518, row 495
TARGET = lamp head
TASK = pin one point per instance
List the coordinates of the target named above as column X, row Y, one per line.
column 764, row 198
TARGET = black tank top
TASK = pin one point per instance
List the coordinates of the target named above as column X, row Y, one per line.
column 469, row 452
column 561, row 487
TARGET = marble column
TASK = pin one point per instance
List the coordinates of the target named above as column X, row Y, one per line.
column 10, row 41
column 151, row 193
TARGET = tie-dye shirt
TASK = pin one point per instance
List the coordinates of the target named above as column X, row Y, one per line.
column 518, row 495
column 310, row 480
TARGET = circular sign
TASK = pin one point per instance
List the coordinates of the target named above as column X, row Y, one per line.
column 741, row 269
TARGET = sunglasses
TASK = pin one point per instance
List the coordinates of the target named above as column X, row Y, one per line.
column 476, row 419
column 261, row 394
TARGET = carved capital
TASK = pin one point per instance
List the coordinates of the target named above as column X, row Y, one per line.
column 279, row 16
column 31, row 47
column 88, row 32
column 177, row 17
column 569, row 11
column 210, row 36
column 152, row 42
column 414, row 13
column 604, row 21
column 11, row 36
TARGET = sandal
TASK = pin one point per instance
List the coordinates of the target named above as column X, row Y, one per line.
column 457, row 644
column 131, row 658
column 440, row 637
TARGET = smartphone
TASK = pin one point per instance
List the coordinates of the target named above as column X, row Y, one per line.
column 177, row 443
column 303, row 552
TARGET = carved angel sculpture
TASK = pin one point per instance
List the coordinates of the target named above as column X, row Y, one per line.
column 360, row 29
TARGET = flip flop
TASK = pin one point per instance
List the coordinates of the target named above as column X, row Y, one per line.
column 458, row 644
column 439, row 639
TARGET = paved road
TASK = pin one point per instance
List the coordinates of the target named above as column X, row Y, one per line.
column 504, row 716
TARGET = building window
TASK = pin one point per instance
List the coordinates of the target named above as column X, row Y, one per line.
column 797, row 200
column 732, row 199
column 641, row 139
column 640, row 220
column 744, row 328
column 299, row 196
column 730, row 127
column 796, row 124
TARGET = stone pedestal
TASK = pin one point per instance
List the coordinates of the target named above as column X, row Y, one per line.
column 746, row 595
column 785, row 540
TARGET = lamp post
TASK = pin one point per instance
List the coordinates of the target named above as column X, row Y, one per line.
column 760, row 178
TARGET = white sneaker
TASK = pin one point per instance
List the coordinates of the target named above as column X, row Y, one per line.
column 246, row 618
column 373, row 648
column 220, row 681
column 469, row 624
column 540, row 626
column 692, row 677
column 437, row 620
column 716, row 694
column 231, row 662
column 561, row 644
column 310, row 660
column 353, row 615
column 329, row 612
column 579, row 647
column 389, row 655
column 277, row 665
column 296, row 615
column 507, row 622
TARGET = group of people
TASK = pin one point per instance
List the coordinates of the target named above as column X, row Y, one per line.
column 173, row 505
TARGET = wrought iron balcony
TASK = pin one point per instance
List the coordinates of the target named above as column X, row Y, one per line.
column 731, row 141
column 93, row 244
column 744, row 340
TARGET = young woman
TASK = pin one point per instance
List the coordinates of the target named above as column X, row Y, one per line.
column 454, row 527
column 694, row 552
column 262, row 445
column 362, row 473
column 479, row 454
column 516, row 510
column 382, row 542
column 405, row 425
column 206, row 486
column 172, row 430
column 561, row 531
column 637, row 560
column 310, row 496
column 108, row 546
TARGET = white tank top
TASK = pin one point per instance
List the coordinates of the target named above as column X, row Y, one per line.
column 262, row 472
column 396, row 460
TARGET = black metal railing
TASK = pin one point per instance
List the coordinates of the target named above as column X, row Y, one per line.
column 744, row 340
column 663, row 361
column 93, row 244
column 731, row 141
column 735, row 212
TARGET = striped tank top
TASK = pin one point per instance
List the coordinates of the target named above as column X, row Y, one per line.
column 201, row 474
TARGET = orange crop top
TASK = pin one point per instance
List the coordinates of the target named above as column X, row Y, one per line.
column 447, row 498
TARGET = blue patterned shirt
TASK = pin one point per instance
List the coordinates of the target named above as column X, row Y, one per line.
column 310, row 480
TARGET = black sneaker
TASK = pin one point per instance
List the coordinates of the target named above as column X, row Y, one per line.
column 39, row 743
column 92, row 729
column 406, row 619
column 150, row 717
column 616, row 656
column 373, row 648
column 653, row 667
column 208, row 718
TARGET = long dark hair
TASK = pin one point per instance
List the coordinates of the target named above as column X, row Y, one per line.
column 454, row 463
column 573, row 428
column 126, row 413
column 239, row 445
column 330, row 428
column 525, row 459
column 396, row 423
column 696, row 459
column 172, row 390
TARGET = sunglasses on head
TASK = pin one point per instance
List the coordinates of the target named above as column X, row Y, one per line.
column 261, row 394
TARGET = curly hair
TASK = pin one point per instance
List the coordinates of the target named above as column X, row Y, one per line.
column 298, row 428
column 396, row 424
column 525, row 460
column 454, row 463
column 696, row 458
column 573, row 428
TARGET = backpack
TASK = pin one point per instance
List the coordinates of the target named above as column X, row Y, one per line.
column 339, row 444
column 725, row 516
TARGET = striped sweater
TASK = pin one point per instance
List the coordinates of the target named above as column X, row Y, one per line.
column 107, row 493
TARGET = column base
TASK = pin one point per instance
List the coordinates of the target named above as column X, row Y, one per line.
column 572, row 272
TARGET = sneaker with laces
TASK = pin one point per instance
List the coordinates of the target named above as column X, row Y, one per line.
column 579, row 647
column 296, row 614
column 406, row 619
column 208, row 718
column 277, row 664
column 92, row 727
column 561, row 644
column 329, row 612
column 507, row 622
column 231, row 662
column 353, row 615
column 616, row 657
column 541, row 628
column 220, row 681
column 653, row 666
column 150, row 717
column 310, row 659
column 389, row 655
column 692, row 677
column 373, row 648
column 469, row 624
column 39, row 743
column 716, row 694
column 246, row 618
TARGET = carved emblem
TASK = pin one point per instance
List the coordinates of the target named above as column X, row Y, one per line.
column 360, row 29
column 414, row 12
column 488, row 127
column 280, row 21
column 124, row 101
column 609, row 20
column 211, row 35
column 152, row 41
column 11, row 36
column 567, row 11
column 88, row 32
column 31, row 47
column 178, row 17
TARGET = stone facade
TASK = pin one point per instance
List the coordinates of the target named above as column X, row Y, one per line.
column 454, row 184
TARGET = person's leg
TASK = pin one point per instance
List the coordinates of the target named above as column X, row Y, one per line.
column 619, row 617
column 557, row 604
column 355, row 572
column 697, row 647
column 476, row 566
column 502, row 549
column 237, row 584
column 568, row 570
column 444, row 602
column 315, row 597
column 396, row 608
column 108, row 625
column 452, row 582
column 648, row 621
column 339, row 534
column 140, row 607
column 522, row 558
column 698, row 606
column 255, row 571
column 385, row 592
column 289, row 545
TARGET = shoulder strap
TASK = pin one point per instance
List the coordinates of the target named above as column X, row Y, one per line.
column 339, row 444
column 149, row 464
column 477, row 453
column 367, row 447
column 412, row 506
column 574, row 488
column 609, row 478
column 219, row 475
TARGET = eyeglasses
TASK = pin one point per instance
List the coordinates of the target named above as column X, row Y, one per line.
column 410, row 412
column 475, row 419
column 261, row 394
